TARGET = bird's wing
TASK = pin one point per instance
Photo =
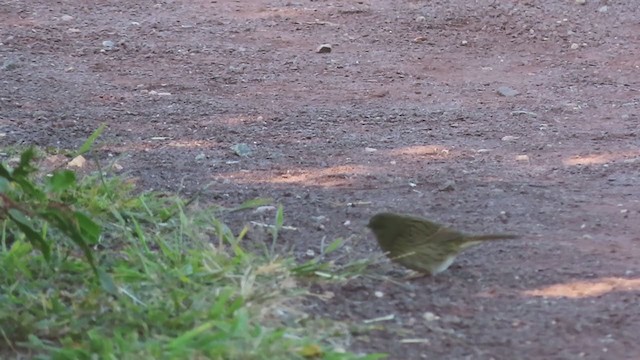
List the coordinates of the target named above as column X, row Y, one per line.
column 426, row 226
column 445, row 235
column 417, row 231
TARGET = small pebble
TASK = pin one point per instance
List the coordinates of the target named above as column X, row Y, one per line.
column 429, row 316
column 324, row 49
column 318, row 219
column 241, row 149
column 581, row 2
column 507, row 91
column 574, row 46
column 108, row 44
column 77, row 162
column 448, row 185
column 9, row 65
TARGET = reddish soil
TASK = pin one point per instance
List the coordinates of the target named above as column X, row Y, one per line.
column 417, row 81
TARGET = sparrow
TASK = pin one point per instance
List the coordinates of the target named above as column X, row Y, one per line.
column 422, row 245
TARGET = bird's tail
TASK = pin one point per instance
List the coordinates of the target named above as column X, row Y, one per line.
column 489, row 237
column 477, row 239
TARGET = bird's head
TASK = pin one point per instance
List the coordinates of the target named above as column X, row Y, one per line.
column 385, row 226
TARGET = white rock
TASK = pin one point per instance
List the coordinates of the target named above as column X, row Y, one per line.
column 507, row 91
column 78, row 162
column 429, row 316
column 264, row 209
column 324, row 49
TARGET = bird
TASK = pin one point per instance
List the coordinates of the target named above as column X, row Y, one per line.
column 422, row 245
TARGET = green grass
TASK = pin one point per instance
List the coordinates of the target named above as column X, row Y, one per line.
column 91, row 269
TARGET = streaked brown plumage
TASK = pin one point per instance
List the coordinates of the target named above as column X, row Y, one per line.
column 420, row 244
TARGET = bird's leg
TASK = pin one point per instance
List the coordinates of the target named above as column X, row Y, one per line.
column 413, row 275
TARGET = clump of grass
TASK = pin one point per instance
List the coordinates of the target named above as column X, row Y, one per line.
column 89, row 269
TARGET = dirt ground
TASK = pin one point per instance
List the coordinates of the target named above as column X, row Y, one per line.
column 404, row 114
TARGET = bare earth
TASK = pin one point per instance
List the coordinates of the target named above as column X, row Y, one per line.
column 403, row 115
